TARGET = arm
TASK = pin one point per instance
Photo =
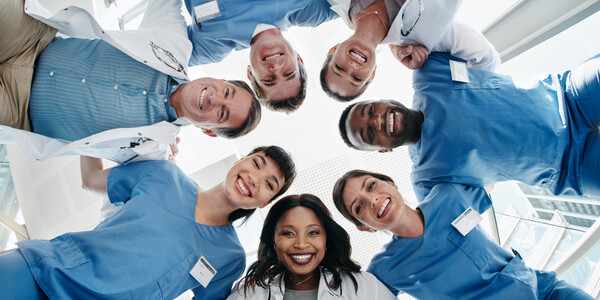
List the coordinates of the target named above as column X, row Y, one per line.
column 93, row 174
column 465, row 42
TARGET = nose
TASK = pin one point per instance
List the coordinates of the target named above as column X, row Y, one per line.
column 353, row 64
column 300, row 242
column 377, row 121
column 251, row 181
column 276, row 65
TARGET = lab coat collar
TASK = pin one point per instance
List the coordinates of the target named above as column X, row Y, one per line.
column 277, row 287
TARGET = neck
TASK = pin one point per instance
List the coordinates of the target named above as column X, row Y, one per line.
column 271, row 32
column 372, row 24
column 302, row 282
column 212, row 208
column 175, row 100
column 412, row 224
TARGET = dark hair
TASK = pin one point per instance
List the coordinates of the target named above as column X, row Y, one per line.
column 337, row 258
column 287, row 105
column 251, row 121
column 337, row 96
column 284, row 160
column 339, row 186
column 342, row 126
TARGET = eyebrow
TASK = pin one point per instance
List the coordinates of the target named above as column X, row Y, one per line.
column 362, row 186
column 264, row 161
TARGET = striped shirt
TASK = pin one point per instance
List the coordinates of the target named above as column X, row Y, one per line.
column 82, row 87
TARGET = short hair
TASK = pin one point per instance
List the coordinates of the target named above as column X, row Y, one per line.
column 338, row 190
column 337, row 96
column 337, row 258
column 342, row 126
column 287, row 166
column 287, row 105
column 253, row 116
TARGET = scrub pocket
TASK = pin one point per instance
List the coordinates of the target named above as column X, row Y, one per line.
column 469, row 247
column 68, row 253
column 171, row 282
column 517, row 270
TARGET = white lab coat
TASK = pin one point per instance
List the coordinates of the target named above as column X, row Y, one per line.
column 162, row 24
column 369, row 287
column 436, row 29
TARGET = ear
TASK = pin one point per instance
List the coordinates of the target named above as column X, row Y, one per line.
column 365, row 228
column 249, row 73
column 385, row 150
column 208, row 132
column 299, row 58
column 333, row 49
column 265, row 204
column 373, row 75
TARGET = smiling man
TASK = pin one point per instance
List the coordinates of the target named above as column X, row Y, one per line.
column 489, row 130
column 276, row 71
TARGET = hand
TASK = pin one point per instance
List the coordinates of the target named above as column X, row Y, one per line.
column 174, row 149
column 412, row 56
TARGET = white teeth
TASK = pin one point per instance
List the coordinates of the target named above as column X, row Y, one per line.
column 241, row 184
column 272, row 56
column 391, row 122
column 362, row 58
column 383, row 207
column 301, row 258
column 202, row 98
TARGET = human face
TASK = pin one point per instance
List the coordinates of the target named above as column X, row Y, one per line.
column 274, row 66
column 374, row 202
column 211, row 103
column 253, row 181
column 352, row 66
column 384, row 124
column 300, row 241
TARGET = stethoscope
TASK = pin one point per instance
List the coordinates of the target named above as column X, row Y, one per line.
column 421, row 9
column 167, row 58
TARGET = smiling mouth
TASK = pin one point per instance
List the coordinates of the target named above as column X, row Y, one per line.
column 201, row 102
column 383, row 207
column 243, row 188
column 301, row 259
column 358, row 56
column 272, row 56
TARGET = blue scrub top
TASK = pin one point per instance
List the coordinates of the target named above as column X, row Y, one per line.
column 145, row 250
column 233, row 29
column 444, row 264
column 489, row 130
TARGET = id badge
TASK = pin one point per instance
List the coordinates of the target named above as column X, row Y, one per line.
column 207, row 11
column 459, row 71
column 203, row 272
column 467, row 221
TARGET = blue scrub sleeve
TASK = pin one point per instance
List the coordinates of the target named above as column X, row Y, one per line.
column 314, row 14
column 220, row 289
column 123, row 179
column 475, row 197
column 207, row 50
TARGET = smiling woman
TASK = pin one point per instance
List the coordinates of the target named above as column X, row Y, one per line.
column 304, row 254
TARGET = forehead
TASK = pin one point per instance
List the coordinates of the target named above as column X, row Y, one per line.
column 352, row 188
column 298, row 216
column 283, row 89
column 341, row 85
column 355, row 125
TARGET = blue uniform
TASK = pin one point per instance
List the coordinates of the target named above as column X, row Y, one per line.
column 489, row 130
column 145, row 250
column 444, row 264
column 83, row 87
column 233, row 29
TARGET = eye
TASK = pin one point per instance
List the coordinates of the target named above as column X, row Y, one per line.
column 356, row 78
column 339, row 68
column 371, row 110
column 268, row 80
column 288, row 74
column 370, row 135
column 314, row 232
column 371, row 186
column 221, row 114
column 255, row 163
column 226, row 92
column 269, row 185
column 287, row 233
column 358, row 208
